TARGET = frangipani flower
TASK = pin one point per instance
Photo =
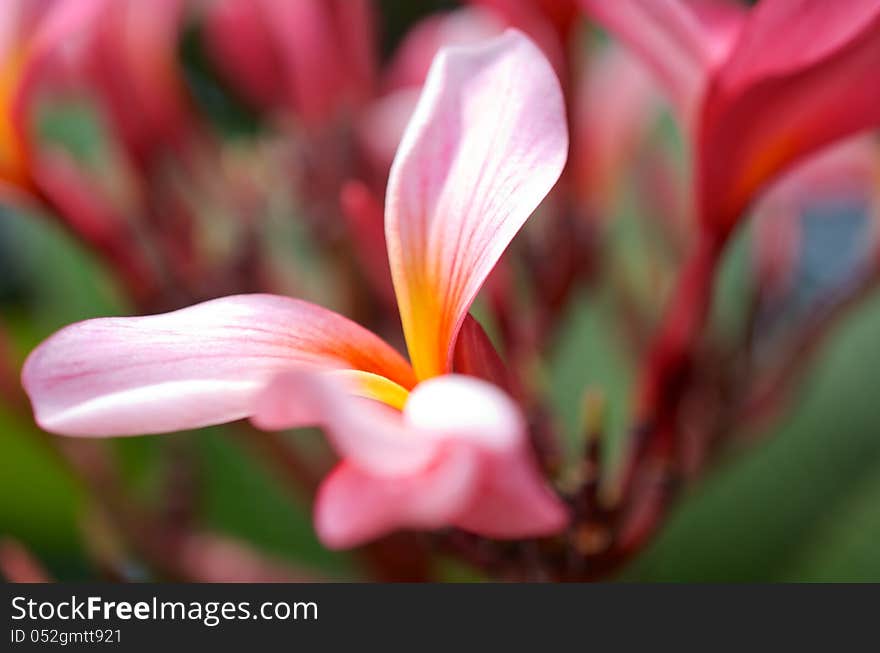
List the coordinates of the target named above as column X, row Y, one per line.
column 18, row 23
column 421, row 447
column 549, row 23
column 315, row 57
column 759, row 89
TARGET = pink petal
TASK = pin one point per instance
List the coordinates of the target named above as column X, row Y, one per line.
column 354, row 507
column 412, row 59
column 201, row 365
column 314, row 56
column 546, row 22
column 364, row 431
column 512, row 499
column 238, row 38
column 561, row 14
column 803, row 75
column 487, row 142
column 313, row 40
column 20, row 57
column 458, row 455
column 681, row 41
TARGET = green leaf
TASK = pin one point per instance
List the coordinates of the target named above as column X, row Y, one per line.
column 755, row 516
column 843, row 546
column 589, row 354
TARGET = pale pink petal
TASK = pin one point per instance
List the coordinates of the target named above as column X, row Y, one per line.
column 365, row 431
column 65, row 23
column 314, row 56
column 456, row 456
column 512, row 499
column 201, row 365
column 802, row 75
column 681, row 41
column 126, row 52
column 148, row 41
column 487, row 142
column 354, row 507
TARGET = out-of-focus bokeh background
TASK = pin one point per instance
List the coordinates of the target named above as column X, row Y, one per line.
column 795, row 498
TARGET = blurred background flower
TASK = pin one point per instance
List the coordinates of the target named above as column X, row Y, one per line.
column 689, row 320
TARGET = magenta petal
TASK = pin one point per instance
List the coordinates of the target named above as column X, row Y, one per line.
column 513, row 501
column 475, row 355
column 680, row 41
column 325, row 66
column 457, row 456
column 546, row 22
column 238, row 38
column 201, row 365
column 782, row 37
column 803, row 75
